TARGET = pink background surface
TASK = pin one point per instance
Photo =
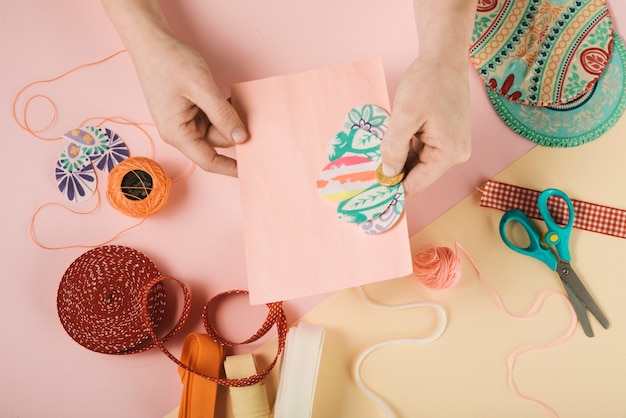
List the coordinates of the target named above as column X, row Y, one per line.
column 198, row 237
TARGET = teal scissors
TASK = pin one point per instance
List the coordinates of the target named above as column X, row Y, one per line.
column 552, row 248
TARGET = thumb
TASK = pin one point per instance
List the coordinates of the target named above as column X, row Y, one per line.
column 396, row 143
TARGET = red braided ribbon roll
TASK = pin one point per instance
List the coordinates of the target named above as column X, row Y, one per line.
column 112, row 299
column 99, row 300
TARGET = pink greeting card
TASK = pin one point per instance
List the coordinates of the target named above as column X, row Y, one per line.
column 296, row 245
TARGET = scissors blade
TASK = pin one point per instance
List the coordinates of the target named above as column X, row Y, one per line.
column 569, row 276
column 579, row 308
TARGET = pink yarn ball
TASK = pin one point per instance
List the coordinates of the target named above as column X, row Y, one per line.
column 437, row 267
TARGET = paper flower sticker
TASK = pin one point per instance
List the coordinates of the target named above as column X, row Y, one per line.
column 350, row 177
column 89, row 146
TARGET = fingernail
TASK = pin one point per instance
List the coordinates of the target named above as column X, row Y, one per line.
column 388, row 170
column 239, row 135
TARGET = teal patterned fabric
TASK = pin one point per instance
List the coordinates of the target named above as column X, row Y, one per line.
column 541, row 52
column 578, row 121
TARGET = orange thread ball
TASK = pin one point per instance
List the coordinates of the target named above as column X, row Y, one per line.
column 138, row 187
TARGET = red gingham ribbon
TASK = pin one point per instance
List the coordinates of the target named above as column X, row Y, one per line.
column 588, row 216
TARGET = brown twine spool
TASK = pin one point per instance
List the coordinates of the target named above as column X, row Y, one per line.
column 138, row 187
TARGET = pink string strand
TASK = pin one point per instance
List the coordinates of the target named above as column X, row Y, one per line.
column 23, row 123
column 534, row 309
column 439, row 268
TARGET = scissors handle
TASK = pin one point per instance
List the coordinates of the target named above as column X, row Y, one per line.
column 534, row 249
column 557, row 235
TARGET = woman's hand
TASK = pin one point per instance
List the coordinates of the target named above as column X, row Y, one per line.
column 188, row 108
column 430, row 126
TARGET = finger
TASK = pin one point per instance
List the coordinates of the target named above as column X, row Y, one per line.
column 221, row 114
column 422, row 176
column 415, row 148
column 430, row 166
column 218, row 140
column 396, row 143
column 206, row 157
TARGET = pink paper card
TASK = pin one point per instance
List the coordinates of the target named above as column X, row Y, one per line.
column 295, row 243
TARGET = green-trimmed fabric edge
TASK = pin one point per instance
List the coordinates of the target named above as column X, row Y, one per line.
column 514, row 124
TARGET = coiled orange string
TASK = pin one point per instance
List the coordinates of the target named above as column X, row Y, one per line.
column 23, row 121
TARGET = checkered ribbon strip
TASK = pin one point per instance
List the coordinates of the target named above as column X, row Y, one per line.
column 589, row 216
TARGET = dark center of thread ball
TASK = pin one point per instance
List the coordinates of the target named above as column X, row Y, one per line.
column 137, row 185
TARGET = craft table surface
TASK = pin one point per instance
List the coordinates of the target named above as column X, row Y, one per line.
column 198, row 237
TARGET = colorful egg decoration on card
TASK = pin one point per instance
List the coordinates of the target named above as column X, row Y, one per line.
column 368, row 204
column 346, row 177
column 369, row 118
column 350, row 178
column 385, row 220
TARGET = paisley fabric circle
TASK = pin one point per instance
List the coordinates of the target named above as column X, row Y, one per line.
column 541, row 52
column 346, row 177
column 486, row 5
column 75, row 175
column 577, row 122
